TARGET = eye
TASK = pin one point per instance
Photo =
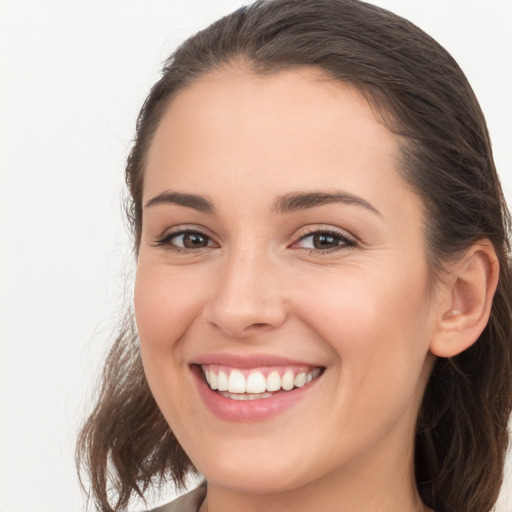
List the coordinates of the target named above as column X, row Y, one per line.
column 325, row 241
column 190, row 240
column 185, row 240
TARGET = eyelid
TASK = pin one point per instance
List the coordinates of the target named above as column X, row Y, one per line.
column 348, row 240
column 164, row 240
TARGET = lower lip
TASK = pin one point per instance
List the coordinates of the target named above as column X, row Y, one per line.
column 249, row 410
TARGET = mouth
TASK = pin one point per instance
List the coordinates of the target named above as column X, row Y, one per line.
column 257, row 383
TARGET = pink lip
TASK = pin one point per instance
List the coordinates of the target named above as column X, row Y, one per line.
column 249, row 410
column 252, row 361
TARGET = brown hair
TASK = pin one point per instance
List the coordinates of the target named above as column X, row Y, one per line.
column 422, row 95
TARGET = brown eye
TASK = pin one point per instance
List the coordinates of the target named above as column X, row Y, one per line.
column 185, row 241
column 325, row 241
column 194, row 240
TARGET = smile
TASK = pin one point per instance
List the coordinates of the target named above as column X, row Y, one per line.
column 257, row 383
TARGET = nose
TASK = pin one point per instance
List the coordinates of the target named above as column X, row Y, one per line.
column 248, row 298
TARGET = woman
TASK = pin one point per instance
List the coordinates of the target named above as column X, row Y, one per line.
column 323, row 285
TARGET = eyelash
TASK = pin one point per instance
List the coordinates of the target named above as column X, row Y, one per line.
column 166, row 241
column 344, row 241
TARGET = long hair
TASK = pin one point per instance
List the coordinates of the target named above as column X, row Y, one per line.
column 421, row 94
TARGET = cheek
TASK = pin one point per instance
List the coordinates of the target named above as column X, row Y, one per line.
column 377, row 323
column 378, row 331
column 164, row 309
column 165, row 306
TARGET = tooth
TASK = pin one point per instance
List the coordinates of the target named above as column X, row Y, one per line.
column 213, row 379
column 258, row 396
column 300, row 380
column 256, row 383
column 222, row 381
column 273, row 381
column 246, row 396
column 287, row 381
column 236, row 382
column 256, row 386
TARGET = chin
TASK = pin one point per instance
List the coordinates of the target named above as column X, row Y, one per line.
column 256, row 470
column 249, row 479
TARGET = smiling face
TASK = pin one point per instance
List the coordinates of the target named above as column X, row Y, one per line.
column 282, row 254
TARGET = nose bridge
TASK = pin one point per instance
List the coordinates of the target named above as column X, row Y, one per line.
column 247, row 297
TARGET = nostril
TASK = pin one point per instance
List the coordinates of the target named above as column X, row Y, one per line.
column 257, row 326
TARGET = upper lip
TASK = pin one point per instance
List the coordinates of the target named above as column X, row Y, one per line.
column 249, row 361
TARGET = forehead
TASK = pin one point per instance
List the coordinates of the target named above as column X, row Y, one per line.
column 236, row 97
column 237, row 130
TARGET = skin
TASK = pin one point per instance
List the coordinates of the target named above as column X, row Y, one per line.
column 364, row 310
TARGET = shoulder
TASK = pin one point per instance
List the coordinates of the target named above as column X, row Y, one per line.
column 189, row 502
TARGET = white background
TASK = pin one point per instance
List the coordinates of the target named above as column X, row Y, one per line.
column 73, row 75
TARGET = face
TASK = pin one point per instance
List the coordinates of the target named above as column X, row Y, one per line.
column 282, row 259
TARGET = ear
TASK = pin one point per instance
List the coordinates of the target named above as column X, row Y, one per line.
column 467, row 300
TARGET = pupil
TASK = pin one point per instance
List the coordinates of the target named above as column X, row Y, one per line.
column 194, row 240
column 324, row 241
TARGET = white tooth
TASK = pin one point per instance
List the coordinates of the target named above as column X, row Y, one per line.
column 287, row 380
column 256, row 383
column 316, row 372
column 213, row 379
column 206, row 374
column 309, row 377
column 273, row 381
column 258, row 396
column 300, row 380
column 236, row 382
column 222, row 381
column 246, row 396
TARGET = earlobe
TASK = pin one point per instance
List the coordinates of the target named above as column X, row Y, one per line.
column 471, row 287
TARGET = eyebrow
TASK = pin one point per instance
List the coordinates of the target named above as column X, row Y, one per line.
column 304, row 200
column 194, row 201
column 288, row 203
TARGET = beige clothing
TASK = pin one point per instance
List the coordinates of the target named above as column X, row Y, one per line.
column 189, row 502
